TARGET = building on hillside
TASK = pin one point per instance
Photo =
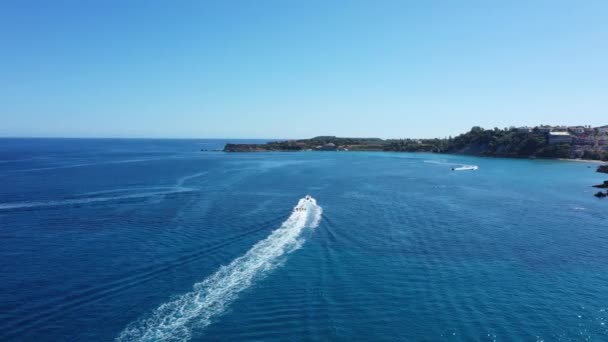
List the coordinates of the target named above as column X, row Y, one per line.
column 559, row 138
column 602, row 129
column 584, row 140
column 578, row 130
column 524, row 129
column 327, row 147
column 559, row 129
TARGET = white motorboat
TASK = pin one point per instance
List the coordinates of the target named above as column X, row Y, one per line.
column 465, row 168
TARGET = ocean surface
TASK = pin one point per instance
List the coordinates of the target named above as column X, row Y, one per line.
column 150, row 240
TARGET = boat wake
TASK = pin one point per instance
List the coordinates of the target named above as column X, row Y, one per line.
column 182, row 180
column 76, row 165
column 176, row 319
column 455, row 166
column 53, row 203
column 109, row 195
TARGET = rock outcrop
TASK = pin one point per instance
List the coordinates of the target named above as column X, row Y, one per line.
column 602, row 186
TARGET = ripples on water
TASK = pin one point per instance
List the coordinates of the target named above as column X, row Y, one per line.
column 154, row 240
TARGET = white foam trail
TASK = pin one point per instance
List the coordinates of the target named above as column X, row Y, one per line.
column 70, row 166
column 440, row 162
column 179, row 187
column 457, row 166
column 119, row 190
column 181, row 181
column 52, row 203
column 175, row 320
column 435, row 161
column 2, row 161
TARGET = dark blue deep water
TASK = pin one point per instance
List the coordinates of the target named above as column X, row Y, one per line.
column 154, row 240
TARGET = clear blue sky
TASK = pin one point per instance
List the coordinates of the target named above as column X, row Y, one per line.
column 264, row 69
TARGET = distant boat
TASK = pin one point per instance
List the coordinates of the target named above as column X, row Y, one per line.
column 465, row 168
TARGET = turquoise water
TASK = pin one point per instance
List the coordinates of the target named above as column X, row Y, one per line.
column 134, row 240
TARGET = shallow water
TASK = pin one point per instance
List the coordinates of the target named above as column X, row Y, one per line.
column 153, row 239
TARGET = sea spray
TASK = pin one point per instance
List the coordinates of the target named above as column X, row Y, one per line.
column 175, row 320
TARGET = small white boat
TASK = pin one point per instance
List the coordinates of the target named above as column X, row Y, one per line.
column 465, row 168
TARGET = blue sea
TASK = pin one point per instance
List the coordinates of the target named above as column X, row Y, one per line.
column 154, row 240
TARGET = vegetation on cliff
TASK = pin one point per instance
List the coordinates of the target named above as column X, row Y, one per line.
column 321, row 143
column 508, row 142
column 496, row 142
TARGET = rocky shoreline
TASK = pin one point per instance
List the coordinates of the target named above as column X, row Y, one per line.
column 602, row 186
column 601, row 194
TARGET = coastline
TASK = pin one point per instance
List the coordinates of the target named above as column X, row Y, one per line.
column 586, row 161
column 512, row 142
column 259, row 150
column 590, row 161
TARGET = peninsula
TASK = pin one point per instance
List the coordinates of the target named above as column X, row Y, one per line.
column 583, row 142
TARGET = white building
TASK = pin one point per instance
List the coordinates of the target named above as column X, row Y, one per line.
column 559, row 138
column 602, row 130
column 578, row 130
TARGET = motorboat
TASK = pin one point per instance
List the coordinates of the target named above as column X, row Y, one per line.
column 465, row 168
column 303, row 208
